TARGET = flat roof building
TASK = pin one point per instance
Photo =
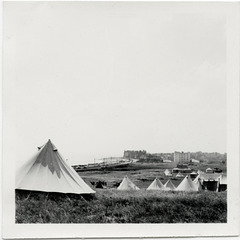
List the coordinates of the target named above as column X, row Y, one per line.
column 180, row 157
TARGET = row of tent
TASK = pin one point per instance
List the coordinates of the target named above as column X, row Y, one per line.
column 203, row 181
column 186, row 185
column 47, row 171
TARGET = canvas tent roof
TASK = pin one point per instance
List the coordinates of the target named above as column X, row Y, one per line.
column 156, row 185
column 179, row 175
column 48, row 172
column 209, row 170
column 187, row 185
column 169, row 185
column 209, row 177
column 127, row 184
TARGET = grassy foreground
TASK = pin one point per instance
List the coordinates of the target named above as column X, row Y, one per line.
column 112, row 206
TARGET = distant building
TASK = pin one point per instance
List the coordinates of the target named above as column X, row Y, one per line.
column 141, row 154
column 180, row 157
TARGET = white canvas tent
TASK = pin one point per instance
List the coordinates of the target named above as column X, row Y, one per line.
column 169, row 185
column 209, row 176
column 156, row 185
column 179, row 175
column 48, row 172
column 127, row 184
column 187, row 185
column 209, row 170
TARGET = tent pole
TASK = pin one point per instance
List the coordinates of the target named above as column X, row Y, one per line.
column 84, row 199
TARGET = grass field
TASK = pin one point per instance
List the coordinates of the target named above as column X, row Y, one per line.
column 112, row 206
column 142, row 174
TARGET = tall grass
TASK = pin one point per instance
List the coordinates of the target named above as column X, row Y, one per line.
column 112, row 206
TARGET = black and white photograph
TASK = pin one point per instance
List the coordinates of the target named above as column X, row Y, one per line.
column 118, row 114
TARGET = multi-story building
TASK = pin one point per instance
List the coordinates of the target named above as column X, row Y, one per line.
column 180, row 157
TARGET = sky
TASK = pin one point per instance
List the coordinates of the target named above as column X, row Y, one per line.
column 101, row 78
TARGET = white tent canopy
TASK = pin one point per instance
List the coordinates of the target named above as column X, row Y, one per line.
column 209, row 170
column 127, row 184
column 187, row 185
column 48, row 172
column 169, row 185
column 156, row 185
column 179, row 175
column 209, row 176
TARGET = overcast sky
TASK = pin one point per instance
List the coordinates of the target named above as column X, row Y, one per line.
column 98, row 79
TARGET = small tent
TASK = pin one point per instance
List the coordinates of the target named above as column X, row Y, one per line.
column 179, row 175
column 169, row 185
column 187, row 185
column 209, row 170
column 100, row 184
column 48, row 172
column 156, row 185
column 127, row 184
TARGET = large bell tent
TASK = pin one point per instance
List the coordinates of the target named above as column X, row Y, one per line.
column 48, row 172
